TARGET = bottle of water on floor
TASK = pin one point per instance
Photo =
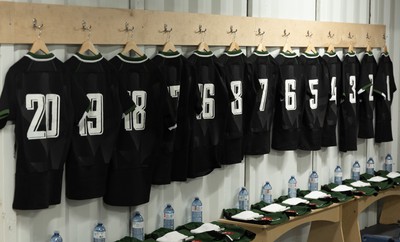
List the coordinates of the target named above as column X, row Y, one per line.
column 292, row 187
column 243, row 198
column 388, row 163
column 266, row 192
column 56, row 237
column 370, row 166
column 197, row 210
column 338, row 175
column 137, row 230
column 313, row 181
column 169, row 214
column 355, row 171
column 99, row 233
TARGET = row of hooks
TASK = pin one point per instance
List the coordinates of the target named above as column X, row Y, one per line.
column 200, row 30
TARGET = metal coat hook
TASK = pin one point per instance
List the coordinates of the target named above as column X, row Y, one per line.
column 309, row 35
column 36, row 26
column 368, row 36
column 330, row 36
column 86, row 28
column 350, row 36
column 285, row 34
column 127, row 29
column 231, row 31
column 166, row 30
column 259, row 33
column 200, row 30
column 384, row 36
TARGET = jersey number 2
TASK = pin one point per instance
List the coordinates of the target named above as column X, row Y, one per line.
column 47, row 106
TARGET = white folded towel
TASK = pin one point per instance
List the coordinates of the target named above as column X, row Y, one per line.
column 205, row 227
column 377, row 179
column 316, row 195
column 360, row 184
column 173, row 236
column 274, row 208
column 393, row 174
column 342, row 188
column 247, row 215
column 294, row 201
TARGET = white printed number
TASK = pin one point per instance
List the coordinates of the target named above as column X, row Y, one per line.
column 371, row 89
column 92, row 122
column 137, row 118
column 46, row 105
column 333, row 90
column 352, row 94
column 207, row 92
column 290, row 94
column 313, row 83
column 237, row 105
column 264, row 87
column 388, row 88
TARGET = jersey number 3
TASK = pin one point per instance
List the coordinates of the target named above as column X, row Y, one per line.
column 47, row 106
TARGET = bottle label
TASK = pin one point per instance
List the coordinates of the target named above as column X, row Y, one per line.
column 292, row 185
column 313, row 180
column 168, row 216
column 339, row 174
column 197, row 208
column 370, row 166
column 267, row 191
column 99, row 235
column 137, row 225
column 388, row 161
column 356, row 169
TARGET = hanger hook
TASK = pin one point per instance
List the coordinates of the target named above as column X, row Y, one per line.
column 330, row 35
column 309, row 35
column 36, row 26
column 200, row 31
column 128, row 30
column 285, row 34
column 368, row 36
column 259, row 33
column 165, row 30
column 231, row 31
column 384, row 36
column 350, row 36
column 87, row 28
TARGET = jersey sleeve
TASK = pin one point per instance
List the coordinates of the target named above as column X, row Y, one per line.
column 6, row 99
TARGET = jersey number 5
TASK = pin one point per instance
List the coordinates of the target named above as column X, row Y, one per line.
column 47, row 106
column 92, row 122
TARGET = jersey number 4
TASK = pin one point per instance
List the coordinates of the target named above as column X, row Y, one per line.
column 47, row 106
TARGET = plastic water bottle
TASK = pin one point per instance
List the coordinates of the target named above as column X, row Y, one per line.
column 266, row 193
column 197, row 210
column 169, row 214
column 370, row 166
column 388, row 163
column 292, row 188
column 137, row 230
column 313, row 181
column 243, row 198
column 56, row 237
column 338, row 175
column 355, row 171
column 99, row 233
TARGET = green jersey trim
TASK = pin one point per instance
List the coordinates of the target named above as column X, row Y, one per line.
column 132, row 60
column 4, row 113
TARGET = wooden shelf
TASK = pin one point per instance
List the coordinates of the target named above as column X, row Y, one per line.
column 63, row 25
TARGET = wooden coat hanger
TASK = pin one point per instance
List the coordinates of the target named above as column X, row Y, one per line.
column 203, row 47
column 169, row 47
column 261, row 48
column 311, row 48
column 286, row 47
column 131, row 46
column 368, row 48
column 88, row 46
column 331, row 49
column 234, row 46
column 351, row 49
column 385, row 49
column 39, row 45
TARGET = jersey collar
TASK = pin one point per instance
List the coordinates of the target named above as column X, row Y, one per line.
column 261, row 53
column 233, row 53
column 89, row 58
column 203, row 53
column 36, row 57
column 310, row 55
column 330, row 54
column 386, row 54
column 133, row 60
column 169, row 54
column 351, row 54
column 288, row 54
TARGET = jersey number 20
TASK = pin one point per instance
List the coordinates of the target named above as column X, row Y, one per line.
column 47, row 106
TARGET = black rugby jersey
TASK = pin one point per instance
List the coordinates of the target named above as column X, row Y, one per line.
column 366, row 98
column 317, row 94
column 237, row 73
column 140, row 134
column 265, row 72
column 183, row 88
column 348, row 109
column 37, row 98
column 93, row 140
column 208, row 132
column 384, row 88
column 289, row 105
column 331, row 118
